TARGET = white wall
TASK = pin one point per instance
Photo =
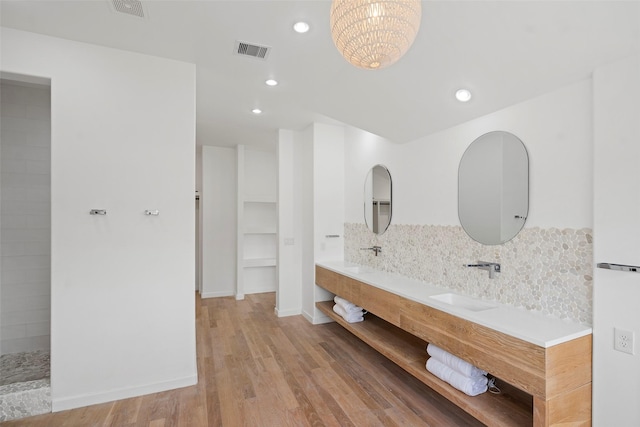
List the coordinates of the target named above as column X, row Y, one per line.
column 328, row 180
column 218, row 205
column 316, row 204
column 289, row 289
column 198, row 263
column 303, row 212
column 25, row 218
column 362, row 151
column 616, row 375
column 123, row 139
column 555, row 128
column 260, row 175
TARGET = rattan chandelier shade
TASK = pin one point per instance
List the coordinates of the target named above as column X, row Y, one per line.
column 373, row 34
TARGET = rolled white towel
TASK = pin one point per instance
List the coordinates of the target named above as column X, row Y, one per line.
column 348, row 306
column 454, row 362
column 348, row 317
column 469, row 386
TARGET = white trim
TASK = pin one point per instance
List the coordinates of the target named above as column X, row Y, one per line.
column 239, row 297
column 286, row 313
column 261, row 289
column 62, row 404
column 307, row 316
column 321, row 319
column 216, row 294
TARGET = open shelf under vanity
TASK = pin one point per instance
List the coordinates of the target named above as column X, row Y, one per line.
column 511, row 407
column 540, row 385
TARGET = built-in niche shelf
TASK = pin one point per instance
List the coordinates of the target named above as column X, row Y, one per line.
column 259, row 262
column 257, row 222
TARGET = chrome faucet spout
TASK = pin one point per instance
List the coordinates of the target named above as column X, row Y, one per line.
column 375, row 249
column 491, row 267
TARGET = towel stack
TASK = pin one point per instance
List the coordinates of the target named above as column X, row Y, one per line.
column 347, row 310
column 457, row 372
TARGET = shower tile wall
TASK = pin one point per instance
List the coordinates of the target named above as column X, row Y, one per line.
column 25, row 217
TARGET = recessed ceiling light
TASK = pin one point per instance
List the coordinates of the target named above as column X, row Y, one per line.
column 256, row 111
column 463, row 95
column 301, row 27
column 271, row 82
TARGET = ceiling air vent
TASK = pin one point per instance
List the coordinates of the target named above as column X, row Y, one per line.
column 129, row 7
column 252, row 50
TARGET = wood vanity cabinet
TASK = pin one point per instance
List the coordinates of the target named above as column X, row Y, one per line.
column 540, row 386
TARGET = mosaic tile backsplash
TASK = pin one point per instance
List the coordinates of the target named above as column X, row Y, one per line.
column 543, row 270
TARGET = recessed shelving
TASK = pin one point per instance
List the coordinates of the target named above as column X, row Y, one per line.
column 259, row 262
column 257, row 221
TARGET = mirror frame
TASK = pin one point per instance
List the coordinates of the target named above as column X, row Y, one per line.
column 368, row 200
column 501, row 221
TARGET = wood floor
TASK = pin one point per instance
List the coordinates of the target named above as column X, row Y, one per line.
column 255, row 369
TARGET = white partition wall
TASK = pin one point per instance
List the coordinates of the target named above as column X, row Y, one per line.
column 311, row 197
column 328, row 199
column 122, row 297
column 616, row 375
column 218, row 210
column 289, row 290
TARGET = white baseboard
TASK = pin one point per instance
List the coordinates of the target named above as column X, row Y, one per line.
column 317, row 318
column 239, row 297
column 286, row 313
column 260, row 289
column 321, row 319
column 64, row 403
column 307, row 316
column 216, row 294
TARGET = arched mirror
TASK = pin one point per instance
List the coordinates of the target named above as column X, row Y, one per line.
column 493, row 188
column 377, row 199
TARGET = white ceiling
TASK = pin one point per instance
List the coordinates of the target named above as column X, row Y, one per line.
column 503, row 51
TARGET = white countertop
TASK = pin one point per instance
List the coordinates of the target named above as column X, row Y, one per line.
column 536, row 328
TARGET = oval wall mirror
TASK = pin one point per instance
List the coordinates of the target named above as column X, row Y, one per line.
column 377, row 199
column 493, row 188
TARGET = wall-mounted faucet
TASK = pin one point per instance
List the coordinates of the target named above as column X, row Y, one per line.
column 491, row 267
column 376, row 249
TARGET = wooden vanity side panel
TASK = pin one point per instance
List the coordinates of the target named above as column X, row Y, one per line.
column 328, row 280
column 569, row 365
column 572, row 408
column 516, row 361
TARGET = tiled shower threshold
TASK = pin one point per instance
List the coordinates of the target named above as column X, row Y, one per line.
column 25, row 388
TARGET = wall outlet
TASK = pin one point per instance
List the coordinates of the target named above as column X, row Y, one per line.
column 623, row 340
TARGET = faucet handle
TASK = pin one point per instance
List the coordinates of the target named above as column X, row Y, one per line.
column 375, row 249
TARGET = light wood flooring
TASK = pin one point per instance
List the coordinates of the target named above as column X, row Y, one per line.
column 256, row 369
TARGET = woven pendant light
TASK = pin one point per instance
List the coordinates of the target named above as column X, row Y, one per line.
column 373, row 34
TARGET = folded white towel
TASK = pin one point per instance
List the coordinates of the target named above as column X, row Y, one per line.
column 469, row 386
column 454, row 362
column 349, row 317
column 348, row 306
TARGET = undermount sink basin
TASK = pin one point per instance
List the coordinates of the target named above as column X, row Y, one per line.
column 359, row 269
column 464, row 302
